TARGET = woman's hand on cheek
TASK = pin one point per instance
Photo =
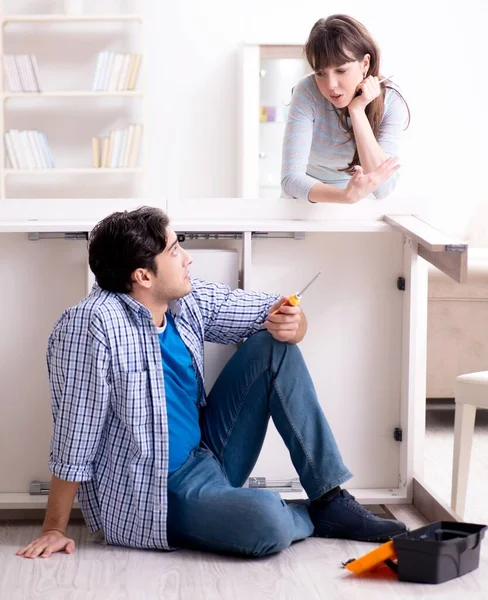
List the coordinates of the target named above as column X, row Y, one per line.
column 369, row 89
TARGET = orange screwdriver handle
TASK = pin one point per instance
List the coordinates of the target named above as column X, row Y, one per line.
column 293, row 300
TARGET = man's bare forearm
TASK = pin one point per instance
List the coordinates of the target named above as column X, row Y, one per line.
column 61, row 497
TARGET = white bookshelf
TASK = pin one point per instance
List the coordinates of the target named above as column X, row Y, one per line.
column 39, row 99
column 268, row 73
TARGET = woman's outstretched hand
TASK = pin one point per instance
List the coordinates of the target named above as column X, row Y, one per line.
column 361, row 184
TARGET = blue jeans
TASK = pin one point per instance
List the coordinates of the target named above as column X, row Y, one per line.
column 207, row 507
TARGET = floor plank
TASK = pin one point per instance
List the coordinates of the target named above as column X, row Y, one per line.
column 309, row 570
column 439, row 445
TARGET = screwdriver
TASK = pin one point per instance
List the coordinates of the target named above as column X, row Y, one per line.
column 294, row 299
column 381, row 82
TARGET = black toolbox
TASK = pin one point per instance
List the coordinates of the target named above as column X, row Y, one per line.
column 438, row 552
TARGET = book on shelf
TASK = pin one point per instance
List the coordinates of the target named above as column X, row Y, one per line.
column 96, row 152
column 119, row 150
column 104, row 152
column 115, row 154
column 21, row 73
column 28, row 149
column 135, row 146
column 116, row 72
column 134, row 71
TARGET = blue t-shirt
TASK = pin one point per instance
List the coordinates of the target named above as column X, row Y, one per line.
column 181, row 388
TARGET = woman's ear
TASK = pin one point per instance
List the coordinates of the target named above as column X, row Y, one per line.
column 366, row 61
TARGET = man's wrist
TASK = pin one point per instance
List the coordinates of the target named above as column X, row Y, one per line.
column 48, row 529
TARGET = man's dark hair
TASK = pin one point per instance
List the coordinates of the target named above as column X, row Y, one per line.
column 126, row 241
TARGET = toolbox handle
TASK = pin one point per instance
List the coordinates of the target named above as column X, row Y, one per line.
column 393, row 566
column 458, row 534
column 455, row 532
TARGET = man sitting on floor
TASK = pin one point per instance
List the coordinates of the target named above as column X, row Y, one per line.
column 156, row 463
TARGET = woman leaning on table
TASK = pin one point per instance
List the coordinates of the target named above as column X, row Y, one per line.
column 344, row 123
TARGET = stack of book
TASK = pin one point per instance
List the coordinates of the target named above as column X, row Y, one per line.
column 278, row 114
column 28, row 150
column 116, row 71
column 118, row 150
column 21, row 72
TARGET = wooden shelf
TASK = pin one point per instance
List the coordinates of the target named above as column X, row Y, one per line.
column 70, row 18
column 85, row 171
column 365, row 496
column 73, row 94
column 20, row 500
column 25, row 501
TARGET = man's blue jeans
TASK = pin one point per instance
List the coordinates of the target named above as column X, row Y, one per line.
column 208, row 508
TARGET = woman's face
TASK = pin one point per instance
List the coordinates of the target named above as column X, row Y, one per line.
column 339, row 84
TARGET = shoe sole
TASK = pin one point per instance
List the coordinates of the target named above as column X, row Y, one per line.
column 381, row 538
column 378, row 539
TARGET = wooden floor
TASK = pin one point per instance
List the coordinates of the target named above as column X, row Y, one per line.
column 308, row 570
column 438, row 462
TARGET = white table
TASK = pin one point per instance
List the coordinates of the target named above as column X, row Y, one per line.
column 366, row 345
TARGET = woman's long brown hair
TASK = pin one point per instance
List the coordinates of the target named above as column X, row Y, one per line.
column 335, row 41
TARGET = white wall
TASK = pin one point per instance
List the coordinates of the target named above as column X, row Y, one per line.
column 435, row 49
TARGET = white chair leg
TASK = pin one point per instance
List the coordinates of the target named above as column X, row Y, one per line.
column 463, row 442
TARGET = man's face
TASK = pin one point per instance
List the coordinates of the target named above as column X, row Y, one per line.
column 172, row 280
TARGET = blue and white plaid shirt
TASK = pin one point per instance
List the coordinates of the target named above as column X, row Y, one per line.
column 108, row 401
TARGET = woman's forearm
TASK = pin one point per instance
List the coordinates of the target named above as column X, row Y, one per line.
column 323, row 192
column 371, row 155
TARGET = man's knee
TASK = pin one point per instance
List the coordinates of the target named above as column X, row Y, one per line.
column 277, row 539
column 264, row 343
column 272, row 527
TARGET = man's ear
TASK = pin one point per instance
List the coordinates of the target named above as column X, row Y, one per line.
column 141, row 277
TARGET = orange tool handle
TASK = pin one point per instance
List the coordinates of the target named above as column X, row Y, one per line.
column 293, row 300
column 373, row 559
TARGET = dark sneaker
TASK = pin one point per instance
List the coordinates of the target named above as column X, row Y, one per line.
column 345, row 518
